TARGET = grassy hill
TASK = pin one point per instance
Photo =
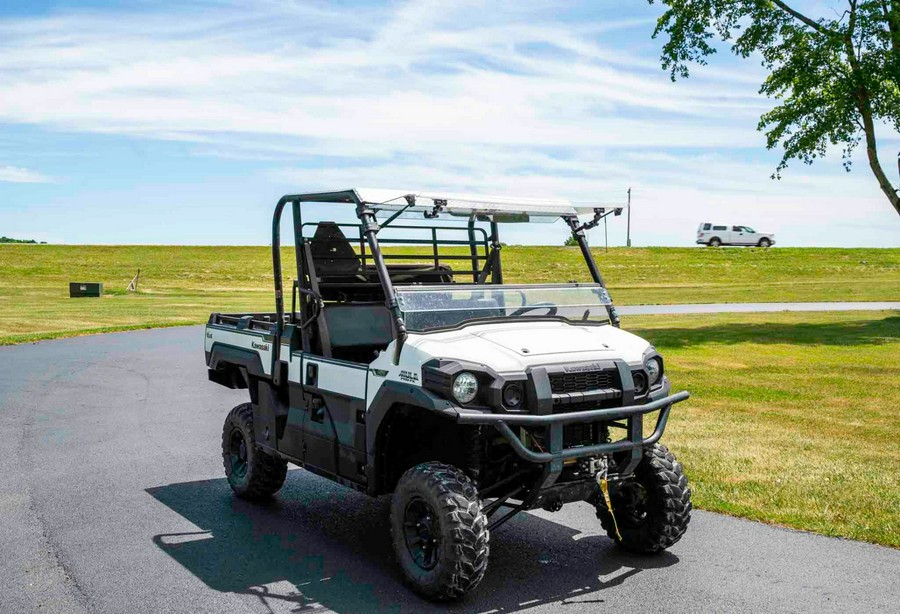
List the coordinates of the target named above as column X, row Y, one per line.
column 182, row 285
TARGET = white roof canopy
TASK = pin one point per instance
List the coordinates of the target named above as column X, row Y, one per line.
column 462, row 205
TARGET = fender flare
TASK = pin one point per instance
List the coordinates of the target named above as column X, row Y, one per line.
column 246, row 361
column 389, row 395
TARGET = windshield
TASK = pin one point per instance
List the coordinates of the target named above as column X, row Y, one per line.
column 429, row 307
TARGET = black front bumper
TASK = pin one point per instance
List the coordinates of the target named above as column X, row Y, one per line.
column 555, row 422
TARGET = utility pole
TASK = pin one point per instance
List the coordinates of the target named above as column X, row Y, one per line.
column 628, row 231
column 605, row 234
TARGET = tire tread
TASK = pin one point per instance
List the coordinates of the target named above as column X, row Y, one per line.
column 660, row 471
column 266, row 473
column 465, row 560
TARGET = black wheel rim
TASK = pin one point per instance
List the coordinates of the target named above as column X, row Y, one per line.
column 421, row 530
column 630, row 504
column 237, row 450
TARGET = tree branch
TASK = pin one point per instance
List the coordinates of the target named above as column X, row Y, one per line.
column 864, row 106
column 892, row 17
column 815, row 25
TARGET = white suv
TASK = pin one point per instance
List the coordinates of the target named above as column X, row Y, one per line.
column 715, row 235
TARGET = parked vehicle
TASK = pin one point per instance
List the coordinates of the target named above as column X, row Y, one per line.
column 715, row 235
column 469, row 399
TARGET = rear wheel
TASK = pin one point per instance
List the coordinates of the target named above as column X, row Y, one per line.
column 764, row 242
column 252, row 473
column 653, row 508
column 439, row 532
column 715, row 242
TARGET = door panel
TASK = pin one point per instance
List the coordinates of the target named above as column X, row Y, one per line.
column 291, row 442
column 723, row 234
column 336, row 405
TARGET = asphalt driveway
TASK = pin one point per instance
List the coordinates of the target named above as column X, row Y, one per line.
column 112, row 499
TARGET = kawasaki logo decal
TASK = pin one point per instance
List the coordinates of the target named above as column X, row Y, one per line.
column 594, row 366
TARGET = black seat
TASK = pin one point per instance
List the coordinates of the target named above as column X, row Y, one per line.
column 332, row 253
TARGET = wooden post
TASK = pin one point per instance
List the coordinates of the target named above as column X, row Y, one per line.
column 132, row 287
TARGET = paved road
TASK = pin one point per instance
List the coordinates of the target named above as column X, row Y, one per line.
column 635, row 310
column 112, row 500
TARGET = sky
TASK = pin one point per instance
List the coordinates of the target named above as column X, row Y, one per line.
column 184, row 122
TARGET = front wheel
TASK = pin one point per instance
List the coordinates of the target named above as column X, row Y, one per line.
column 439, row 532
column 653, row 508
column 252, row 473
column 764, row 242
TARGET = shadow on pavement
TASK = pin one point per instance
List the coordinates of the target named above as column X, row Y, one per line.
column 317, row 543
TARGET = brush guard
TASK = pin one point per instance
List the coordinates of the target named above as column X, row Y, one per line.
column 634, row 442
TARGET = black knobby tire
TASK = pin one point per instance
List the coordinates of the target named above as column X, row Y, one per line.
column 764, row 242
column 715, row 242
column 252, row 473
column 654, row 508
column 446, row 503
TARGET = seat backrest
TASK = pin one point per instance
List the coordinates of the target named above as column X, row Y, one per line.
column 354, row 325
column 331, row 251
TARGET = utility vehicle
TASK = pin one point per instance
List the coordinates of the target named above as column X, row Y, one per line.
column 714, row 235
column 405, row 366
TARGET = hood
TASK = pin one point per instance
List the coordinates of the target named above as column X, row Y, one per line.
column 540, row 340
column 514, row 346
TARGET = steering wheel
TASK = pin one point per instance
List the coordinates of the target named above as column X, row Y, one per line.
column 550, row 307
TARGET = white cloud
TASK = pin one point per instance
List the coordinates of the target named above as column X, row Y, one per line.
column 473, row 96
column 15, row 174
column 422, row 72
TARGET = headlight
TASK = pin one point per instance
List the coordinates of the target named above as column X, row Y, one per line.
column 654, row 370
column 465, row 387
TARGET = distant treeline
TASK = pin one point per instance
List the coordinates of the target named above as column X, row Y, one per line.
column 11, row 240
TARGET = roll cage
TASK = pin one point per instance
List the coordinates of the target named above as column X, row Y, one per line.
column 310, row 292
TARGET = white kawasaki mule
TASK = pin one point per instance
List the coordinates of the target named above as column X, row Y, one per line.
column 416, row 371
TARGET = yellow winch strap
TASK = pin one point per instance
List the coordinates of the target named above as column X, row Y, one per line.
column 604, row 487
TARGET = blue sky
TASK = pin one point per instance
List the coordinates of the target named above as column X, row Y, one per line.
column 183, row 123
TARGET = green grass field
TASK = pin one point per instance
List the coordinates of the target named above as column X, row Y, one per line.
column 182, row 285
column 794, row 416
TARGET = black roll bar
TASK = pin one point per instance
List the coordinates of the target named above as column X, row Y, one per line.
column 370, row 229
column 581, row 239
column 279, row 290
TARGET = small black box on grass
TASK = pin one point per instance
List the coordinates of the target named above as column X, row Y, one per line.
column 82, row 289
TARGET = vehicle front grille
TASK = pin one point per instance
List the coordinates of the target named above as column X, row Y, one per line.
column 564, row 408
column 583, row 381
